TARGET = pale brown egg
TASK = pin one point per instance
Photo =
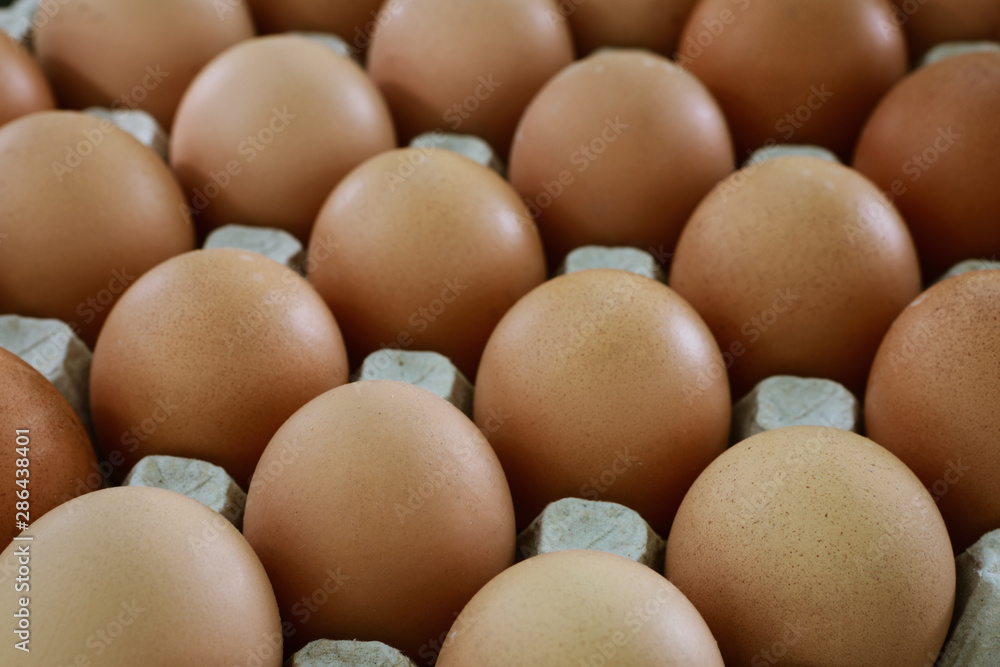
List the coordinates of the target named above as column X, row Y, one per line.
column 379, row 510
column 799, row 266
column 423, row 249
column 23, row 87
column 643, row 24
column 933, row 396
column 930, row 145
column 269, row 154
column 89, row 211
column 794, row 71
column 618, row 149
column 352, row 20
column 605, row 385
column 206, row 356
column 931, row 22
column 48, row 458
column 139, row 576
column 810, row 545
column 466, row 67
column 134, row 54
column 579, row 608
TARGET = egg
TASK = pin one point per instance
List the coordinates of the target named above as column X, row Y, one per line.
column 379, row 510
column 933, row 395
column 134, row 54
column 604, row 385
column 815, row 546
column 931, row 22
column 645, row 24
column 206, row 356
column 48, row 457
column 423, row 249
column 352, row 20
column 139, row 576
column 618, row 149
column 930, row 145
column 799, row 266
column 23, row 87
column 579, row 608
column 269, row 154
column 466, row 67
column 90, row 210
column 794, row 71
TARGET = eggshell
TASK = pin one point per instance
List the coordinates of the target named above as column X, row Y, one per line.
column 423, row 249
column 814, row 546
column 379, row 510
column 618, row 149
column 580, row 607
column 353, row 20
column 269, row 154
column 59, row 455
column 931, row 22
column 799, row 266
column 933, row 396
column 931, row 146
column 794, row 71
column 604, row 385
column 206, row 356
column 646, row 24
column 90, row 210
column 23, row 87
column 134, row 54
column 468, row 67
column 141, row 576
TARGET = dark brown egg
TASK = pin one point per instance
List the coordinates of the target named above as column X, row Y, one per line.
column 641, row 24
column 23, row 87
column 931, row 22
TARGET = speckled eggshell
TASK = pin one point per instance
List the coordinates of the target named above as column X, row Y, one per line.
column 569, row 608
column 379, row 510
column 644, row 24
column 931, row 22
column 616, row 150
column 352, row 20
column 61, row 461
column 815, row 546
column 931, row 145
column 604, row 385
column 423, row 249
column 89, row 211
column 141, row 576
column 933, row 396
column 799, row 266
column 206, row 356
column 23, row 87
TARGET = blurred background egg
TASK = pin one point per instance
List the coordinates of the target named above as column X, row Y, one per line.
column 931, row 22
column 268, row 154
column 605, row 385
column 640, row 24
column 933, row 395
column 467, row 67
column 90, row 210
column 618, row 149
column 817, row 546
column 794, row 71
column 351, row 20
column 423, row 249
column 207, row 355
column 799, row 266
column 930, row 145
column 379, row 510
column 134, row 54
column 23, row 86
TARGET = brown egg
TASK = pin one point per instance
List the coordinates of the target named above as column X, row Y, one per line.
column 379, row 510
column 931, row 22
column 353, row 20
column 618, row 149
column 466, row 67
column 643, row 24
column 603, row 385
column 23, row 87
column 930, row 145
column 91, row 209
column 933, row 396
column 206, row 356
column 139, row 576
column 48, row 455
column 810, row 545
column 423, row 249
column 794, row 71
column 135, row 54
column 579, row 608
column 270, row 153
column 799, row 266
